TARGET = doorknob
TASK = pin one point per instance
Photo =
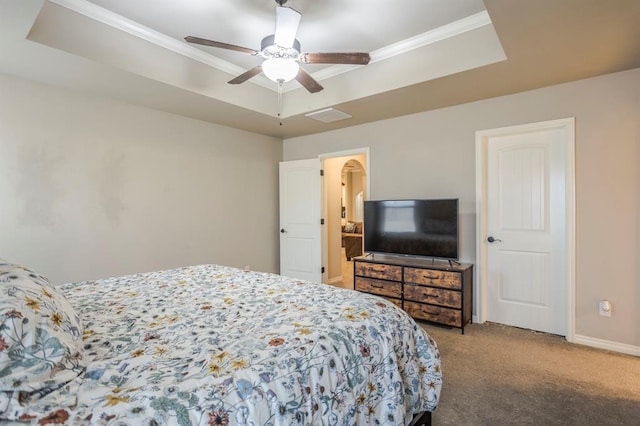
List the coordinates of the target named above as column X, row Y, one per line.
column 282, row 231
column 493, row 240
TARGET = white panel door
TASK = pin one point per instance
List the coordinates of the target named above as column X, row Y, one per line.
column 300, row 229
column 526, row 230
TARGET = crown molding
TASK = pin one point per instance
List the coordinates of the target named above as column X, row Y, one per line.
column 121, row 23
column 438, row 34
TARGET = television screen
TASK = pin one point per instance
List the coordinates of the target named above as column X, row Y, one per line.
column 426, row 228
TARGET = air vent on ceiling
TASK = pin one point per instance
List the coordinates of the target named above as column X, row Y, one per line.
column 328, row 115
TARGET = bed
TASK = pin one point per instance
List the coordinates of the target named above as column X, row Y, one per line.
column 208, row 345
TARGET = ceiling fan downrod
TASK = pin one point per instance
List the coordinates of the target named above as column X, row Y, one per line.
column 281, row 51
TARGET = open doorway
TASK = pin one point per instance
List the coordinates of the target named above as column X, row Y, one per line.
column 345, row 189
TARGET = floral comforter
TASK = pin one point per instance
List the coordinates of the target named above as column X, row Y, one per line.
column 213, row 345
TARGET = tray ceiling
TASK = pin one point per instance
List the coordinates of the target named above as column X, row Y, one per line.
column 425, row 53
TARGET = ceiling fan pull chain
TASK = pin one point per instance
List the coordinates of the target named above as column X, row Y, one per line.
column 280, row 101
column 281, row 53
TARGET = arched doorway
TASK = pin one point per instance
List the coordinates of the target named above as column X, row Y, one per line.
column 356, row 181
column 353, row 181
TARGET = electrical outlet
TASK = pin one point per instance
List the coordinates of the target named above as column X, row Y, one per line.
column 604, row 308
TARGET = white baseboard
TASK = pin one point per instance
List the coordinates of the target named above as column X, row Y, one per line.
column 598, row 343
column 607, row 344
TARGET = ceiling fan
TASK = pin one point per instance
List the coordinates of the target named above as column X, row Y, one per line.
column 281, row 51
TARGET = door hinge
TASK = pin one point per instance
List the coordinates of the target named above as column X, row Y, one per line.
column 321, row 221
column 321, row 172
column 323, row 269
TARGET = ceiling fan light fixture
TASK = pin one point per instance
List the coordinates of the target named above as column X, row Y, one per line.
column 280, row 70
column 281, row 51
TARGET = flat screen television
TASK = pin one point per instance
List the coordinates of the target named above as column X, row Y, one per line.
column 427, row 228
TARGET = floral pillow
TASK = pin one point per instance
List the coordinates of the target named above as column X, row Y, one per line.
column 40, row 334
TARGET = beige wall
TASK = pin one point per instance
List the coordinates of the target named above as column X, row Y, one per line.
column 432, row 154
column 333, row 192
column 91, row 187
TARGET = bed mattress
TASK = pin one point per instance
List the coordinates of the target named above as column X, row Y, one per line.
column 214, row 345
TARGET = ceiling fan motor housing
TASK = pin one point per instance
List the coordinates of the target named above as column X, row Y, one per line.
column 268, row 49
column 281, row 52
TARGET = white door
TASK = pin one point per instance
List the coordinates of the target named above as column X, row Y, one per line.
column 526, row 229
column 300, row 229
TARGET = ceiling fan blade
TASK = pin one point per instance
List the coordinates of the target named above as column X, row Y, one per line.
column 246, row 75
column 205, row 42
column 354, row 58
column 308, row 82
column 287, row 21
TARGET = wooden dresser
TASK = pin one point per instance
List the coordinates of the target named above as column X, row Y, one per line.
column 430, row 290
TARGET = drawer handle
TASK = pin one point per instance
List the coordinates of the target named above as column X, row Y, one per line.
column 376, row 285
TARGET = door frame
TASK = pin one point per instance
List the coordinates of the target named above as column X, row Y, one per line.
column 323, row 202
column 482, row 144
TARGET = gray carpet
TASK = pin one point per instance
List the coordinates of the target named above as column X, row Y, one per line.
column 499, row 375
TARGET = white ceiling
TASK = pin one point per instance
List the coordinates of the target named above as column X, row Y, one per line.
column 426, row 54
column 328, row 25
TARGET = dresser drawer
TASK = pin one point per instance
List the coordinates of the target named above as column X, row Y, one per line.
column 397, row 302
column 379, row 287
column 376, row 270
column 438, row 296
column 437, row 314
column 433, row 277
